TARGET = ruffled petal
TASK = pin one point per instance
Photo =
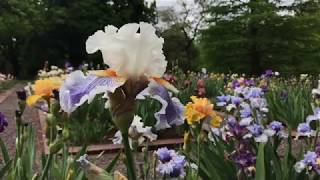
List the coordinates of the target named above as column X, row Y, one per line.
column 79, row 88
column 128, row 52
column 172, row 110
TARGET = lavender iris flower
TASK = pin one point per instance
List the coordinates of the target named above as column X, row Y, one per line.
column 276, row 126
column 309, row 162
column 164, row 155
column 178, row 167
column 245, row 110
column 223, row 100
column 310, row 158
column 172, row 110
column 170, row 163
column 304, row 129
column 3, row 122
column 257, row 132
column 236, row 100
column 254, row 92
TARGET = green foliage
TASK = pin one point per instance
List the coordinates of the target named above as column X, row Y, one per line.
column 289, row 102
column 260, row 166
column 32, row 32
column 89, row 124
column 249, row 36
column 178, row 49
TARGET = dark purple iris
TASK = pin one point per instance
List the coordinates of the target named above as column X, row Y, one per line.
column 3, row 122
column 235, row 84
column 244, row 159
column 22, row 95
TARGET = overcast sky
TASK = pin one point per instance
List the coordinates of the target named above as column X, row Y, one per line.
column 174, row 3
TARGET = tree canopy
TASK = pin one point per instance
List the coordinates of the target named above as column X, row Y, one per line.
column 35, row 31
column 250, row 36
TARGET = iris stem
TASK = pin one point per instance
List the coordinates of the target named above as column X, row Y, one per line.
column 46, row 167
column 129, row 157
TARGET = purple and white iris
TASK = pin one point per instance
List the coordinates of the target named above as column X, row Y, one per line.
column 257, row 132
column 304, row 129
column 311, row 161
column 170, row 163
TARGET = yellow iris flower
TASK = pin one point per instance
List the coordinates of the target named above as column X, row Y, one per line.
column 43, row 88
column 199, row 109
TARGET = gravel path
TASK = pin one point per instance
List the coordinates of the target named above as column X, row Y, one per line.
column 30, row 115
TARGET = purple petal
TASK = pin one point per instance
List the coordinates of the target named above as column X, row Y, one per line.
column 79, row 88
column 172, row 110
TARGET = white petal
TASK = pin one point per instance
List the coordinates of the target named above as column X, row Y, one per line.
column 130, row 53
column 263, row 138
column 245, row 121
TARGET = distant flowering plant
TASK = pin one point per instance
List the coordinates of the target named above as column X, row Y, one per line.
column 138, row 133
column 201, row 109
column 43, row 89
column 310, row 162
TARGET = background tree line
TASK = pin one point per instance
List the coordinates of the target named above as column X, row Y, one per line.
column 222, row 35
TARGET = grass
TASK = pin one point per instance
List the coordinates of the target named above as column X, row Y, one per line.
column 5, row 85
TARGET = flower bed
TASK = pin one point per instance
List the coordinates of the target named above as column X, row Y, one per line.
column 108, row 147
column 234, row 127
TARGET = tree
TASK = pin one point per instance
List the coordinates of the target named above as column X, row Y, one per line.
column 177, row 49
column 20, row 22
column 180, row 30
column 249, row 36
column 32, row 32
